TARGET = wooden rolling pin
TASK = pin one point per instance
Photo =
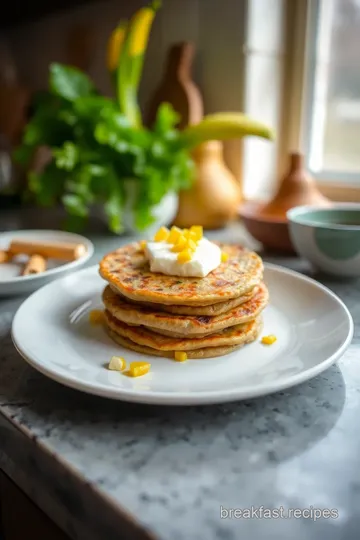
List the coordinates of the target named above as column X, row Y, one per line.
column 49, row 250
column 35, row 265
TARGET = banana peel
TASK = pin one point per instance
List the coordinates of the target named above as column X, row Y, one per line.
column 223, row 126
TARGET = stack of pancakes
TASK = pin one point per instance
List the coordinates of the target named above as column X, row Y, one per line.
column 156, row 314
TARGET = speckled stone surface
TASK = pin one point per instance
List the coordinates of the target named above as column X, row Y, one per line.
column 174, row 468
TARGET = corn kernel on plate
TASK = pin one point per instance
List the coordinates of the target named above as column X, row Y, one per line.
column 307, row 329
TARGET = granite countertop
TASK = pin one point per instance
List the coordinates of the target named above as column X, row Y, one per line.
column 106, row 469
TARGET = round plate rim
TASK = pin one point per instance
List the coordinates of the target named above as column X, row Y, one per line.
column 189, row 398
column 52, row 271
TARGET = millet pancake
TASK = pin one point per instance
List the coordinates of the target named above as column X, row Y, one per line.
column 234, row 335
column 128, row 273
column 206, row 352
column 210, row 310
column 183, row 325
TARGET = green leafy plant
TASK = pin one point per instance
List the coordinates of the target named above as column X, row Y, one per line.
column 98, row 144
column 95, row 150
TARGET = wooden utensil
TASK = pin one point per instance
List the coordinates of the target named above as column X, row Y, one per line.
column 178, row 88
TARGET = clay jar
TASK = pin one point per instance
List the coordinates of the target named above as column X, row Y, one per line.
column 215, row 196
column 296, row 189
column 267, row 223
column 178, row 88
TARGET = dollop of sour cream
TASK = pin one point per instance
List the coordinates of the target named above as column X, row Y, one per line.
column 205, row 259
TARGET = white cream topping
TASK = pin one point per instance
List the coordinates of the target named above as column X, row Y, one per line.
column 206, row 258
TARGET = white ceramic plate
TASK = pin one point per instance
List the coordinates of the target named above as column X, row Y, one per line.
column 51, row 331
column 12, row 283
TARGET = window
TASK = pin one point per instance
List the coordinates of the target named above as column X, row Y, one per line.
column 331, row 109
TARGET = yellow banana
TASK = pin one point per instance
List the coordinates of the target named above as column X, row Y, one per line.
column 115, row 44
column 222, row 126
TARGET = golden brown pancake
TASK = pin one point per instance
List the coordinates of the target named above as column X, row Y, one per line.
column 206, row 352
column 183, row 325
column 234, row 335
column 128, row 272
column 211, row 310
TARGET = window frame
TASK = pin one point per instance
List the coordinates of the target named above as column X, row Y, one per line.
column 299, row 92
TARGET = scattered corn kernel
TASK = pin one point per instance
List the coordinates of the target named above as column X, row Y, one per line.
column 180, row 356
column 269, row 340
column 174, row 235
column 143, row 244
column 189, row 235
column 117, row 363
column 162, row 234
column 197, row 230
column 184, row 256
column 136, row 369
column 180, row 245
column 191, row 245
column 224, row 256
column 96, row 316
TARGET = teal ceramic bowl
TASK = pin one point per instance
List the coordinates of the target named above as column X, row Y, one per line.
column 328, row 237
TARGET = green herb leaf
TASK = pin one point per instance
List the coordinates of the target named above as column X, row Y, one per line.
column 69, row 82
column 96, row 170
column 75, row 205
column 166, row 119
column 102, row 133
column 23, row 154
column 113, row 209
column 48, row 185
column 47, row 127
column 96, row 149
column 143, row 216
column 66, row 157
column 90, row 105
column 68, row 117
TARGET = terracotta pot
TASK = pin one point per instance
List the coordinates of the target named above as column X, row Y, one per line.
column 271, row 232
column 267, row 222
column 296, row 189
